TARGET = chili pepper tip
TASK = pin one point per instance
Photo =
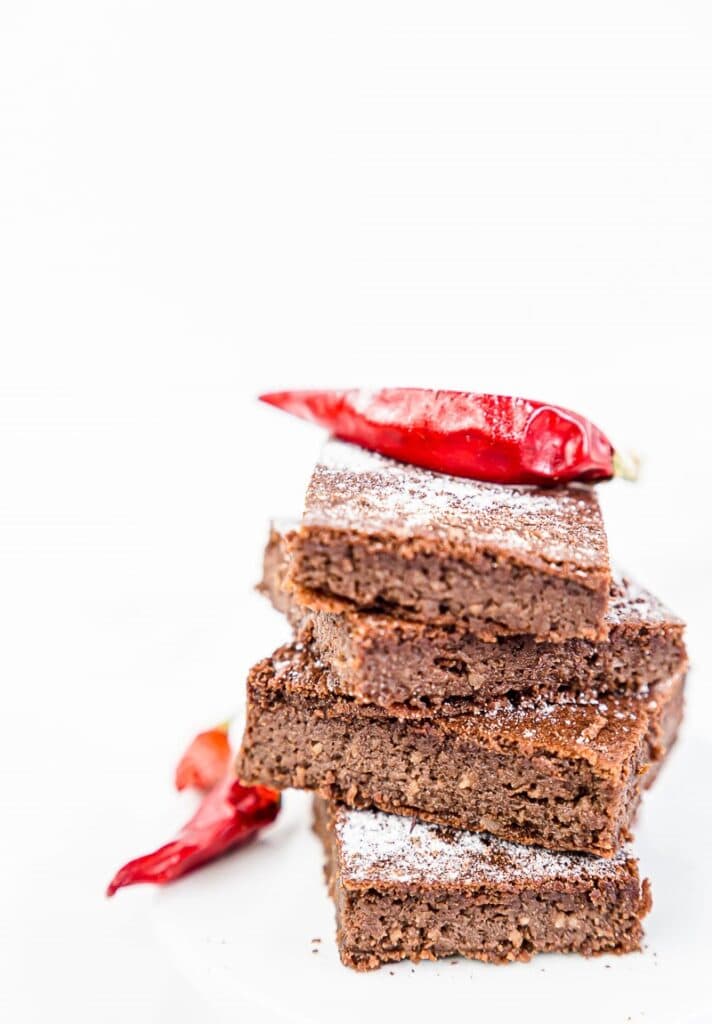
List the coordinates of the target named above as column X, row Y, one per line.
column 206, row 759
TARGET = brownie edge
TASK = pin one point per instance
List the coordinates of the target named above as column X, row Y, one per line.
column 409, row 890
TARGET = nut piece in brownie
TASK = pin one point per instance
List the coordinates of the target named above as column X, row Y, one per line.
column 392, row 662
column 566, row 776
column 411, row 890
column 380, row 534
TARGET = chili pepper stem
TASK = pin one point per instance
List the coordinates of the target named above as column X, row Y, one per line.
column 626, row 465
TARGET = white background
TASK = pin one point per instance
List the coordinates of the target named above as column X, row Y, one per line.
column 202, row 200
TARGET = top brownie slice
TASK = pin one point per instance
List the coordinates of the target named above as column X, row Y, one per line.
column 382, row 535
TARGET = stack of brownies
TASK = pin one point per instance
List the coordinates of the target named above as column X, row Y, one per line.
column 477, row 702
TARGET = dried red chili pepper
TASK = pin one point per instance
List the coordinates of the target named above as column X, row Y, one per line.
column 206, row 760
column 228, row 816
column 486, row 437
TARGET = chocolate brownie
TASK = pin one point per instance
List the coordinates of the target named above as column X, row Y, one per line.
column 566, row 777
column 274, row 569
column 391, row 662
column 383, row 535
column 410, row 890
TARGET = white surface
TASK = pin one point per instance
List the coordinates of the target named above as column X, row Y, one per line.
column 267, row 957
column 199, row 201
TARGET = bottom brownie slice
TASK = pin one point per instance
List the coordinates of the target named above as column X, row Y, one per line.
column 405, row 889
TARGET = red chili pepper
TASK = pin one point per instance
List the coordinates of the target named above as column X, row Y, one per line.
column 486, row 437
column 206, row 760
column 228, row 816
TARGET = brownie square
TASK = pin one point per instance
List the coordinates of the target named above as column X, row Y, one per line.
column 405, row 889
column 445, row 669
column 382, row 535
column 562, row 776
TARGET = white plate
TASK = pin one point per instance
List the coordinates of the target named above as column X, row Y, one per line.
column 244, row 932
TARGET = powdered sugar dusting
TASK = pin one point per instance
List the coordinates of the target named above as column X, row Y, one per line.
column 350, row 458
column 284, row 525
column 386, row 848
column 632, row 603
column 353, row 488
